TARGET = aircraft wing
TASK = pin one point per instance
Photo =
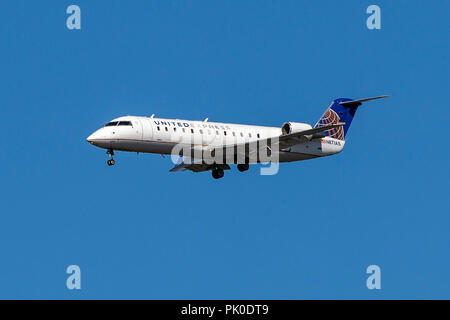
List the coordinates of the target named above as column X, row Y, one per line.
column 195, row 167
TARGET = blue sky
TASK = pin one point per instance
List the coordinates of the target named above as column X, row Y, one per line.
column 140, row 232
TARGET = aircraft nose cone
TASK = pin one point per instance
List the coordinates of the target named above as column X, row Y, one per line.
column 91, row 138
column 99, row 139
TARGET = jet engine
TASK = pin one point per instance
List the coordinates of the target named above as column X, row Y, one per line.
column 293, row 127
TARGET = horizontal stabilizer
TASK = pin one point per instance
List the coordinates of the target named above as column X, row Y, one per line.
column 359, row 101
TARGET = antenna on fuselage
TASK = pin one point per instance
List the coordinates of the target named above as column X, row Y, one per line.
column 206, row 120
column 151, row 117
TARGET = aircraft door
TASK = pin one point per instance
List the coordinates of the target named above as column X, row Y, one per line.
column 137, row 127
column 147, row 129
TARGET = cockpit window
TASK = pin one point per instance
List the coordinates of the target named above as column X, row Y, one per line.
column 110, row 124
column 125, row 123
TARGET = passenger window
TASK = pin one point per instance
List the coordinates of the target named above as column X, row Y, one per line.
column 157, row 128
column 201, row 131
column 249, row 135
column 192, row 130
column 166, row 129
column 174, row 129
column 242, row 134
column 234, row 134
column 224, row 133
column 217, row 132
column 184, row 130
column 257, row 135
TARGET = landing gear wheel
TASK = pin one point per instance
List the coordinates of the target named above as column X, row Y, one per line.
column 243, row 167
column 111, row 161
column 218, row 173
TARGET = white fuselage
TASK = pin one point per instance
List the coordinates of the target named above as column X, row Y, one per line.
column 156, row 135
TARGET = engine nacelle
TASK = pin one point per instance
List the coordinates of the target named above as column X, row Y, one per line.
column 293, row 127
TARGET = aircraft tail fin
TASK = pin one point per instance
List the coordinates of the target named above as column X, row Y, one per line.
column 341, row 110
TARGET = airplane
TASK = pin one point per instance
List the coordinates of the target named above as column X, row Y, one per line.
column 228, row 143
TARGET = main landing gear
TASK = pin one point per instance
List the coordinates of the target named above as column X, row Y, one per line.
column 111, row 161
column 217, row 173
column 243, row 167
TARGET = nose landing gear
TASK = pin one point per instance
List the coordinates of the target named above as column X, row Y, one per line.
column 111, row 161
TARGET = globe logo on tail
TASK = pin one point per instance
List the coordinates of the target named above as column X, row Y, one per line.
column 328, row 118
